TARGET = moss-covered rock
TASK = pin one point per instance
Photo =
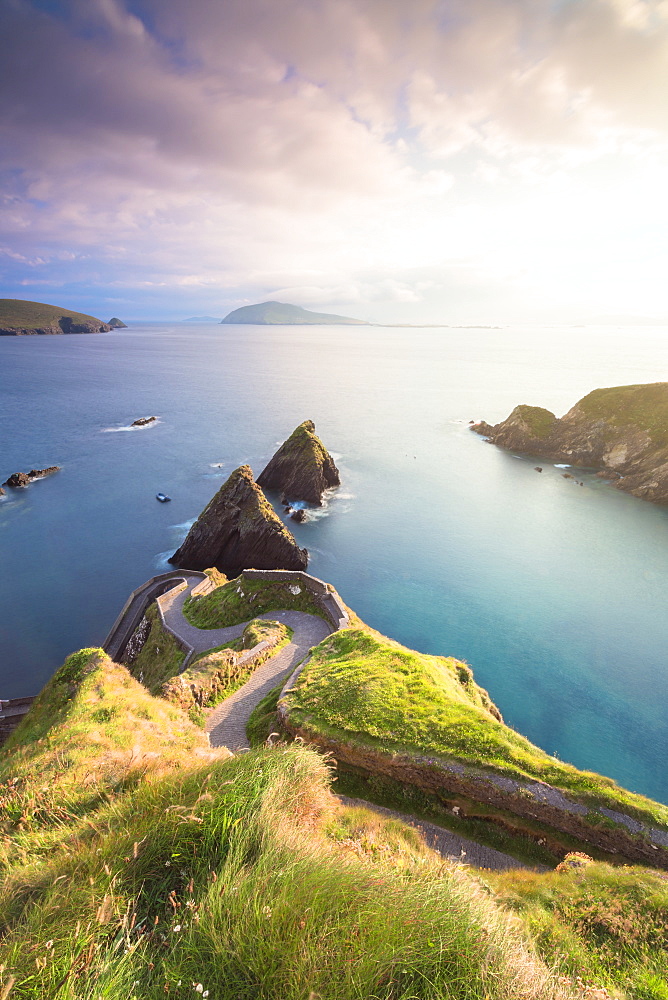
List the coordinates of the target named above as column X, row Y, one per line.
column 302, row 468
column 239, row 530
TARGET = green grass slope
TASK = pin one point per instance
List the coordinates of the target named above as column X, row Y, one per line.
column 285, row 314
column 642, row 406
column 364, row 689
column 221, row 882
column 23, row 314
column 138, row 864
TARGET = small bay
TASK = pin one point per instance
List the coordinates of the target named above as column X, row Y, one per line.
column 555, row 593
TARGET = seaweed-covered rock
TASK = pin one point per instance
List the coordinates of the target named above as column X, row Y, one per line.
column 239, row 530
column 302, row 468
column 622, row 431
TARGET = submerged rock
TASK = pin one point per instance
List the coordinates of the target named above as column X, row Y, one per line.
column 142, row 421
column 302, row 468
column 622, row 431
column 21, row 479
column 239, row 530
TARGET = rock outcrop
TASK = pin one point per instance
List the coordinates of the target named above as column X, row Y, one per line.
column 21, row 479
column 143, row 421
column 117, row 324
column 621, row 431
column 302, row 468
column 239, row 530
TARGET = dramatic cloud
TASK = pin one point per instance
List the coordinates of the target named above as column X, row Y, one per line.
column 454, row 160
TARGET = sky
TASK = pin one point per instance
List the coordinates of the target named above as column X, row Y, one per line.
column 408, row 161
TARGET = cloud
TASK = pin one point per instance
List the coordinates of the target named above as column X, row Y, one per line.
column 307, row 145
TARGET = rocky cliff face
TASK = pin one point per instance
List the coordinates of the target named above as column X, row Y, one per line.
column 239, row 530
column 623, row 431
column 302, row 468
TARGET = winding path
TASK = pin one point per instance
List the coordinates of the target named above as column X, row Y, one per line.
column 226, row 724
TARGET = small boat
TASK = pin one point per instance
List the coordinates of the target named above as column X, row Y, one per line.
column 162, row 497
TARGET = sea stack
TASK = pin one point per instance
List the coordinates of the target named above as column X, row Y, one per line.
column 239, row 530
column 622, row 431
column 302, row 468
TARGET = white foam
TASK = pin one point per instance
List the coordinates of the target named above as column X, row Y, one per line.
column 216, row 465
column 563, row 466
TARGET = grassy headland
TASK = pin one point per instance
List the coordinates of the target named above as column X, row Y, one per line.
column 366, row 691
column 22, row 314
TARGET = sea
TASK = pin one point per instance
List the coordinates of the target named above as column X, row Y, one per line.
column 555, row 593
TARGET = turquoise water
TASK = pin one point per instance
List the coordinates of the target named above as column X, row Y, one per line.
column 555, row 594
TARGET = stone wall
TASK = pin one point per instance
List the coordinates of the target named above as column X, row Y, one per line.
column 135, row 607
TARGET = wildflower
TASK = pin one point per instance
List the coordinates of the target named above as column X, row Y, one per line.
column 176, row 929
column 199, row 988
column 266, row 910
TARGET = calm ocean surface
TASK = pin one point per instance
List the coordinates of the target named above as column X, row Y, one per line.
column 557, row 595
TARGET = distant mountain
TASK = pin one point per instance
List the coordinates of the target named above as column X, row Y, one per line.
column 20, row 317
column 284, row 314
column 201, row 319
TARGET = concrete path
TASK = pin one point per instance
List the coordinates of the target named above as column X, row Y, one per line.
column 200, row 639
column 448, row 844
column 227, row 723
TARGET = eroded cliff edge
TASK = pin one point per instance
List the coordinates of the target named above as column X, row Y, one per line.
column 238, row 530
column 622, row 431
column 302, row 468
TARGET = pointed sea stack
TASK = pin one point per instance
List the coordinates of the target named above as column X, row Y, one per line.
column 239, row 530
column 302, row 468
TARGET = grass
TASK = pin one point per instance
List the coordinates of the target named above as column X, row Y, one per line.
column 529, row 841
column 21, row 314
column 642, row 406
column 366, row 690
column 159, row 658
column 138, row 864
column 217, row 673
column 241, row 600
column 539, row 420
column 605, row 925
column 233, row 879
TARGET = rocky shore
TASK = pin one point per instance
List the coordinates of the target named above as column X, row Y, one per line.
column 622, row 432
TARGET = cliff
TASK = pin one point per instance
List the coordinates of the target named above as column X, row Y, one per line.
column 622, row 431
column 237, row 530
column 285, row 314
column 21, row 317
column 302, row 468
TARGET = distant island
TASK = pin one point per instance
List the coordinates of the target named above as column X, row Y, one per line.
column 285, row 314
column 201, row 319
column 117, row 324
column 622, row 431
column 21, row 317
